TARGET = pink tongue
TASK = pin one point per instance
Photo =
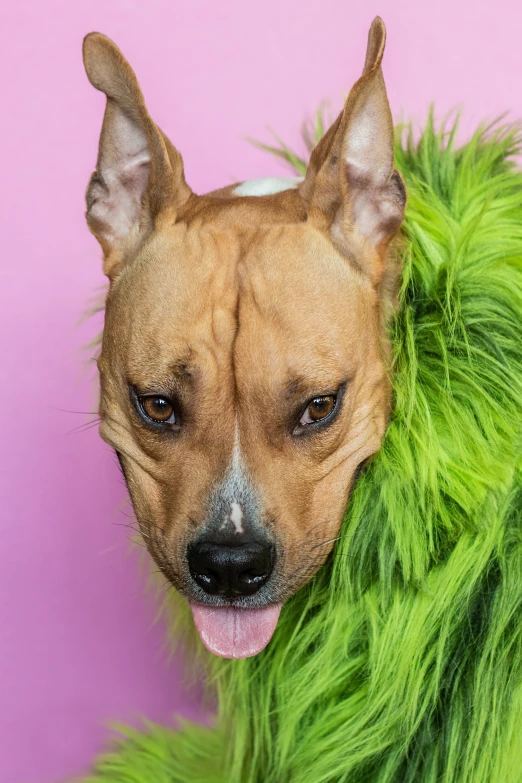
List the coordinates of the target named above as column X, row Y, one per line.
column 235, row 633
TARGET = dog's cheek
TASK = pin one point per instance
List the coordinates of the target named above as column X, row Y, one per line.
column 323, row 515
column 328, row 503
column 305, row 521
column 146, row 496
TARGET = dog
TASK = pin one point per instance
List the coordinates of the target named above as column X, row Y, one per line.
column 244, row 369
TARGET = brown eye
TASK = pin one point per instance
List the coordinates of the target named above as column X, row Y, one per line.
column 320, row 408
column 158, row 409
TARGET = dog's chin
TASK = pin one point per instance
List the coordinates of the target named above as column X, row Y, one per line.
column 235, row 631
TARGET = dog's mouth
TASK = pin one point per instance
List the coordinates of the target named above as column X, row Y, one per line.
column 235, row 632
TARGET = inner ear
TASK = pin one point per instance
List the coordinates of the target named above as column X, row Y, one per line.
column 117, row 188
column 374, row 194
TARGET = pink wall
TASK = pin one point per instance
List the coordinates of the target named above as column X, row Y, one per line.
column 77, row 641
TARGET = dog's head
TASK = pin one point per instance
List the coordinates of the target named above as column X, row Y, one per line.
column 243, row 367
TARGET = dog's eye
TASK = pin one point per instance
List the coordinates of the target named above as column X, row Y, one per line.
column 317, row 410
column 158, row 409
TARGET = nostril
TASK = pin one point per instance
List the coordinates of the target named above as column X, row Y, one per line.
column 206, row 579
column 248, row 579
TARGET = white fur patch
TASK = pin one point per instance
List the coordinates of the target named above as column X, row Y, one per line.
column 266, row 186
column 236, row 517
column 234, row 480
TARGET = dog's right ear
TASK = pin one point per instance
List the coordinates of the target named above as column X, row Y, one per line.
column 352, row 188
column 139, row 177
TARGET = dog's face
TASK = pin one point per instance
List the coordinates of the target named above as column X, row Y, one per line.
column 243, row 368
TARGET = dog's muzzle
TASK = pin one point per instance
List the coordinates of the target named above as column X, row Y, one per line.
column 232, row 559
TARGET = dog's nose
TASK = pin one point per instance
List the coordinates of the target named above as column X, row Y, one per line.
column 230, row 571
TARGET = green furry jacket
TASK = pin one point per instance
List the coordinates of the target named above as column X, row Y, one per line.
column 401, row 662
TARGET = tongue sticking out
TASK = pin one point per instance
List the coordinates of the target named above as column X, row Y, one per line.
column 235, row 633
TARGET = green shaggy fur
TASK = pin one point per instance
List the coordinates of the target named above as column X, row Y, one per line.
column 402, row 660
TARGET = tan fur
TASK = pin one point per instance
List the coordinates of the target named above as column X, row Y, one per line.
column 245, row 308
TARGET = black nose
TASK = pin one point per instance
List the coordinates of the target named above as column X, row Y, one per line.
column 230, row 571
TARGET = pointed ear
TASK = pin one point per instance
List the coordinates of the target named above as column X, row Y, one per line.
column 351, row 183
column 139, row 174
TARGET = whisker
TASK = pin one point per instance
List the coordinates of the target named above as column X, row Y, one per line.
column 129, row 516
column 124, row 524
column 87, row 426
column 131, row 527
column 322, row 522
column 80, row 413
column 150, row 523
column 332, row 540
column 138, row 543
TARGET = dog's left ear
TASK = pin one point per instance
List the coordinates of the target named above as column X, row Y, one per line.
column 351, row 183
column 139, row 177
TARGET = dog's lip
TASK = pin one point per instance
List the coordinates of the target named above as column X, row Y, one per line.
column 268, row 594
column 232, row 631
column 220, row 602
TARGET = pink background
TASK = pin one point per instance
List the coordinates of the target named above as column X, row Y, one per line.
column 78, row 644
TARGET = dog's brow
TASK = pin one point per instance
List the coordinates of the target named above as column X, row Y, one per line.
column 182, row 371
column 295, row 386
column 178, row 374
column 300, row 386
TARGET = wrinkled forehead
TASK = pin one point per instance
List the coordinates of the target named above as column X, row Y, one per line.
column 301, row 306
column 197, row 295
